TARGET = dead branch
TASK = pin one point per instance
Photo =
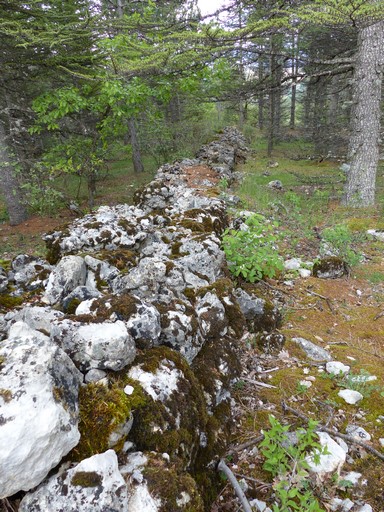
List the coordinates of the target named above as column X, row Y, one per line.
column 235, row 484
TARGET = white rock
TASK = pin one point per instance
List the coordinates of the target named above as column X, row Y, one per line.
column 352, row 477
column 39, row 318
column 292, row 264
column 350, row 396
column 64, row 491
column 337, row 368
column 39, row 411
column 304, row 273
column 381, row 441
column 84, row 308
column 70, row 272
column 95, row 375
column 377, row 234
column 365, row 508
column 106, row 346
column 142, row 501
column 330, row 462
column 128, row 390
column 159, row 385
column 305, row 383
column 358, row 433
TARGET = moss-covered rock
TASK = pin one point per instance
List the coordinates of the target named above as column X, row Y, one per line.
column 104, row 410
column 331, row 267
column 175, row 416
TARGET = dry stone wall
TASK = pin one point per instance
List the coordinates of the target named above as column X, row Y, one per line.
column 124, row 342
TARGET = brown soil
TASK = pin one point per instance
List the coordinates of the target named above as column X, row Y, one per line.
column 26, row 237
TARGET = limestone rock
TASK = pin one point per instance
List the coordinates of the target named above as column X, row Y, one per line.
column 350, row 396
column 358, row 433
column 94, row 485
column 67, row 275
column 313, row 351
column 39, row 410
column 337, row 368
column 331, row 267
column 332, row 461
column 37, row 317
column 106, row 345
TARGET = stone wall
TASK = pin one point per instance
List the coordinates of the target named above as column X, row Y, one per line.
column 117, row 363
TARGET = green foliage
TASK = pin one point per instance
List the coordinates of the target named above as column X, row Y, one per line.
column 341, row 238
column 360, row 382
column 41, row 196
column 252, row 252
column 287, row 463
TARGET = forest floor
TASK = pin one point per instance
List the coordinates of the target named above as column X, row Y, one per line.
column 344, row 316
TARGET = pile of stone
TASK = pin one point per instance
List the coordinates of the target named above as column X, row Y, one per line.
column 119, row 352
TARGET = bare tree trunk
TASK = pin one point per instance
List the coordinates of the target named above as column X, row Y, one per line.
column 261, row 95
column 295, row 68
column 9, row 185
column 365, row 121
column 136, row 154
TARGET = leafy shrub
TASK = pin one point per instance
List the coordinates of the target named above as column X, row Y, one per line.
column 287, row 463
column 252, row 252
column 340, row 238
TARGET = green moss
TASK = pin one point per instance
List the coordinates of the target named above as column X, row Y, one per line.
column 173, row 427
column 102, row 410
column 9, row 301
column 224, row 288
column 194, row 226
column 175, row 251
column 121, row 258
column 6, row 264
column 330, row 264
column 190, row 294
column 71, row 306
column 169, row 265
column 86, row 479
column 93, row 225
column 128, row 227
column 6, row 394
column 165, row 239
column 170, row 486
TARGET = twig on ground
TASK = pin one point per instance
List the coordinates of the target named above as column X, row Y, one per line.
column 264, row 485
column 331, row 432
column 327, row 299
column 244, row 446
column 258, row 383
column 235, row 484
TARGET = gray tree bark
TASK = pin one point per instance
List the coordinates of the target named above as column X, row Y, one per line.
column 365, row 121
column 9, row 185
column 136, row 153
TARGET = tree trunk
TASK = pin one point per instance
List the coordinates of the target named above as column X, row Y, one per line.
column 261, row 95
column 136, row 154
column 295, row 69
column 365, row 121
column 9, row 185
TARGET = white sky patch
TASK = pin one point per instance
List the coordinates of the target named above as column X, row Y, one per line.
column 210, row 6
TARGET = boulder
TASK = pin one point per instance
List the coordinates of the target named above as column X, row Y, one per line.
column 70, row 273
column 312, row 350
column 105, row 346
column 94, row 485
column 39, row 410
column 331, row 267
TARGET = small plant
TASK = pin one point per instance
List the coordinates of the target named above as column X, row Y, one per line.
column 286, row 461
column 361, row 382
column 252, row 252
column 340, row 239
column 223, row 184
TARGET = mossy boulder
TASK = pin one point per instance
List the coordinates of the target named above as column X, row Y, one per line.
column 105, row 416
column 331, row 267
column 174, row 418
